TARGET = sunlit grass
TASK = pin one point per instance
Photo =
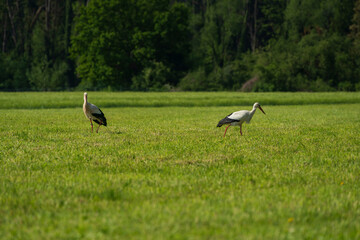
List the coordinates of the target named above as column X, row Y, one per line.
column 167, row 173
column 34, row 100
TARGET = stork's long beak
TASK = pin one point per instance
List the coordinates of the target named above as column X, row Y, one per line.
column 262, row 110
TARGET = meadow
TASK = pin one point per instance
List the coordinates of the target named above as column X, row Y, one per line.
column 162, row 170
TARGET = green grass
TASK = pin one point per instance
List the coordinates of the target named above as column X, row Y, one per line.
column 32, row 100
column 167, row 172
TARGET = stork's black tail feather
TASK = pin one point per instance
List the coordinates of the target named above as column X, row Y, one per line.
column 226, row 120
column 103, row 122
column 101, row 117
column 222, row 122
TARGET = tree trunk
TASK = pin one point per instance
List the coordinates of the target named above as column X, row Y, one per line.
column 68, row 20
column 11, row 18
column 47, row 13
column 253, row 28
column 4, row 36
column 36, row 16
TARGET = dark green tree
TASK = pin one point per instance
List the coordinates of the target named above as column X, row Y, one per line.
column 219, row 39
column 34, row 45
column 355, row 37
column 115, row 41
column 314, row 53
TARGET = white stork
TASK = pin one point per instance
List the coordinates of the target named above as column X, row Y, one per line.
column 238, row 118
column 93, row 113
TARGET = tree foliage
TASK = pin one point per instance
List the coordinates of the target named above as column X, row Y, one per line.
column 315, row 51
column 116, row 41
column 34, row 45
column 161, row 45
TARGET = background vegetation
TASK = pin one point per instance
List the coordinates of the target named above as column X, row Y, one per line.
column 161, row 45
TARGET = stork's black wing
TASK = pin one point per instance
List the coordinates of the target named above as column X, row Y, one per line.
column 100, row 118
column 226, row 120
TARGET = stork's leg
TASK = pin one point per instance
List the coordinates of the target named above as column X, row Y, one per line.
column 226, row 129
column 241, row 129
column 91, row 126
column 98, row 128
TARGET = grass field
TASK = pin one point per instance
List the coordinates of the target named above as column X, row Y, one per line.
column 162, row 170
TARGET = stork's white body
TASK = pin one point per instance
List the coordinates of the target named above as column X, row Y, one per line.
column 90, row 108
column 239, row 117
column 93, row 113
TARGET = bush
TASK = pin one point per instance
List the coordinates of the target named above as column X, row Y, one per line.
column 345, row 86
column 13, row 73
column 45, row 77
column 194, row 81
column 153, row 78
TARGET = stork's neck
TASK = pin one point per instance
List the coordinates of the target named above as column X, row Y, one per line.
column 252, row 112
column 85, row 99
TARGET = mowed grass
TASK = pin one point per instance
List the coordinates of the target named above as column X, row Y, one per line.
column 167, row 172
column 32, row 100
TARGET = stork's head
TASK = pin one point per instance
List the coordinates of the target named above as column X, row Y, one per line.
column 257, row 105
column 85, row 96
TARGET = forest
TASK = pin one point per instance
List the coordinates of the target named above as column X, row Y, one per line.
column 180, row 45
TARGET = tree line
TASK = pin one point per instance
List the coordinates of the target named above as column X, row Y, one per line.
column 191, row 45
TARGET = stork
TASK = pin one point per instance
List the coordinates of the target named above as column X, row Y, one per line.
column 239, row 117
column 93, row 113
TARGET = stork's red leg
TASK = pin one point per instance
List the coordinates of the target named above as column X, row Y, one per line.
column 98, row 128
column 226, row 129
column 241, row 129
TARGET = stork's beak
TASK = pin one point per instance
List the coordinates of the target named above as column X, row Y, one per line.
column 262, row 110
